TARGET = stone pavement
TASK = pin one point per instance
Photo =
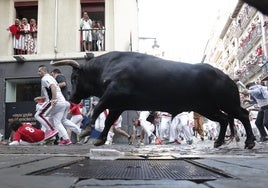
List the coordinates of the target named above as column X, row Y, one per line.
column 248, row 168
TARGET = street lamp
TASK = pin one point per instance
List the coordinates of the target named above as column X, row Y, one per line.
column 155, row 47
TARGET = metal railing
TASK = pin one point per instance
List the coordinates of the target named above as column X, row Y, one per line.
column 25, row 43
column 92, row 39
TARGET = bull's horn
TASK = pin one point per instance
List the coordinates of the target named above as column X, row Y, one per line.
column 70, row 62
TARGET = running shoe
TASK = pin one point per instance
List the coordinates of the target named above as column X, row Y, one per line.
column 50, row 134
column 65, row 142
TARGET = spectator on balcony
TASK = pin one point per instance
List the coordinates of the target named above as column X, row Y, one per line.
column 17, row 37
column 33, row 32
column 259, row 51
column 100, row 41
column 86, row 26
column 95, row 32
column 27, row 37
column 253, row 26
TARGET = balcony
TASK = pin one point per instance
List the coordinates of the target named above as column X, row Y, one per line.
column 92, row 39
column 25, row 42
column 249, row 42
column 264, row 71
column 244, row 19
column 247, row 71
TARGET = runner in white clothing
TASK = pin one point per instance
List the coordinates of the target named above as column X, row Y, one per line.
column 147, row 126
column 180, row 123
column 58, row 104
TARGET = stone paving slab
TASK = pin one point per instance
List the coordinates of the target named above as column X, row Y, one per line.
column 37, row 165
column 249, row 167
column 138, row 183
column 15, row 181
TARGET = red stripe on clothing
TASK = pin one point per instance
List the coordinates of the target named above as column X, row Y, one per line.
column 43, row 111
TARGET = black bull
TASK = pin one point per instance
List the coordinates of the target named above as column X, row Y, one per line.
column 134, row 81
column 261, row 5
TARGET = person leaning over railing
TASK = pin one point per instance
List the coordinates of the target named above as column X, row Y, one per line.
column 15, row 31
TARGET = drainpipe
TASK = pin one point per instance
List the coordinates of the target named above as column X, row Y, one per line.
column 56, row 28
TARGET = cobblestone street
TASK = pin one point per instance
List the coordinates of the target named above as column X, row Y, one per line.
column 22, row 163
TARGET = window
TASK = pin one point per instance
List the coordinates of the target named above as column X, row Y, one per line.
column 95, row 10
column 26, row 41
column 22, row 90
column 28, row 9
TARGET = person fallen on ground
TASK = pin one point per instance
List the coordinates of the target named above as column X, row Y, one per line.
column 148, row 127
column 25, row 133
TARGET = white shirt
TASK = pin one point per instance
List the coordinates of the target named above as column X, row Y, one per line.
column 144, row 115
column 100, row 122
column 46, row 81
column 86, row 24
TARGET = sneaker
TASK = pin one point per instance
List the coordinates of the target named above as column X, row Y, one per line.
column 177, row 142
column 190, row 142
column 158, row 141
column 152, row 139
column 130, row 140
column 108, row 142
column 65, row 142
column 140, row 143
column 50, row 134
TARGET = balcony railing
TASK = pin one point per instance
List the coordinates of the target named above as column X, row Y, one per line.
column 92, row 39
column 250, row 69
column 25, row 43
column 264, row 71
column 249, row 42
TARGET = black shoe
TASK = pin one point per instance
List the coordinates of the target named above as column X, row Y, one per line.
column 74, row 138
column 130, row 140
column 152, row 139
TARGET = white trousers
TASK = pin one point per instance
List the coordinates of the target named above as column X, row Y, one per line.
column 68, row 123
column 56, row 117
column 164, row 127
column 41, row 115
column 180, row 124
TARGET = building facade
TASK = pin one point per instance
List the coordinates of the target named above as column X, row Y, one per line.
column 240, row 46
column 58, row 36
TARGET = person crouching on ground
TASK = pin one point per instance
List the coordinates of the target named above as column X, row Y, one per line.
column 25, row 133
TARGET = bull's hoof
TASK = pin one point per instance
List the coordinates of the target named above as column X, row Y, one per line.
column 86, row 132
column 249, row 145
column 218, row 143
column 100, row 141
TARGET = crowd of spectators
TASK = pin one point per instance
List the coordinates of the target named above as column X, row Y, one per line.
column 24, row 36
column 92, row 34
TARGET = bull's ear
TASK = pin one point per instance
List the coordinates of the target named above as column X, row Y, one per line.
column 69, row 62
